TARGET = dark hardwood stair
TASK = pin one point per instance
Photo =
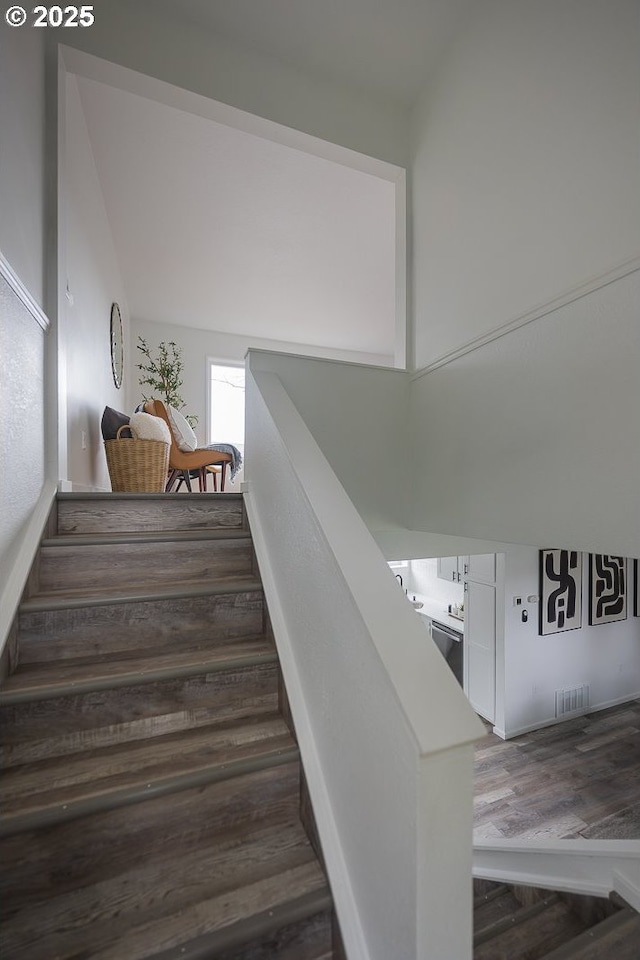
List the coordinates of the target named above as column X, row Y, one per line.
column 151, row 792
column 519, row 923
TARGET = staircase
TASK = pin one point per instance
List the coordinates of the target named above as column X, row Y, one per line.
column 522, row 923
column 151, row 795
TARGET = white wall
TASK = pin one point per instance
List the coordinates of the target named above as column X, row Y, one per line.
column 94, row 282
column 530, row 668
column 534, row 437
column 607, row 657
column 422, row 577
column 22, row 445
column 22, row 190
column 526, row 184
column 526, row 172
column 22, row 339
column 198, row 346
column 358, row 417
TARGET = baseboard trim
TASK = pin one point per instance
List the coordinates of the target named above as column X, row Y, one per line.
column 72, row 486
column 21, row 565
column 537, row 313
column 342, row 890
column 553, row 721
column 18, row 287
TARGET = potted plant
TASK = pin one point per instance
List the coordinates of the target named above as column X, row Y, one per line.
column 163, row 374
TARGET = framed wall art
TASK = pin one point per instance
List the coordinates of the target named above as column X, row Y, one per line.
column 560, row 591
column 607, row 588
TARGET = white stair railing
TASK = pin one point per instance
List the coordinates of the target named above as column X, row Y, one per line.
column 596, row 867
column 386, row 734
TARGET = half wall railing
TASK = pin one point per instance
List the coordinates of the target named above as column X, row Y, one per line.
column 385, row 733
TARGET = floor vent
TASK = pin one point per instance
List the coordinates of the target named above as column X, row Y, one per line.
column 575, row 700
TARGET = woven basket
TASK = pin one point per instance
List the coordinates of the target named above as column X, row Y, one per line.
column 137, row 466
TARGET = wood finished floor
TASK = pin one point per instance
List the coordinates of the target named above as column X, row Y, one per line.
column 561, row 780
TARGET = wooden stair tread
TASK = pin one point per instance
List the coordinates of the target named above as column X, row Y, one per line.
column 151, row 805
column 36, row 681
column 58, row 789
column 259, row 936
column 487, row 894
column 616, row 938
column 152, row 888
column 539, row 928
column 493, row 908
column 219, row 923
column 137, row 592
column 82, row 852
column 275, row 861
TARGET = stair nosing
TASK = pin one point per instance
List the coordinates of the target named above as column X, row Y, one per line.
column 133, row 678
column 483, row 898
column 166, row 497
column 144, row 536
column 244, row 931
column 514, row 919
column 41, row 602
column 128, row 796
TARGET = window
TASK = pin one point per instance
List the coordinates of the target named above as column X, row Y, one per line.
column 226, row 404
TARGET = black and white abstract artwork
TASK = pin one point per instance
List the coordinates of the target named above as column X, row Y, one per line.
column 607, row 588
column 560, row 591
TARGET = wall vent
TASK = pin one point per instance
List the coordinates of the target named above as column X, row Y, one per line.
column 574, row 700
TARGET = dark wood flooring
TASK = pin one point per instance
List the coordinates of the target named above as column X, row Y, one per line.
column 559, row 781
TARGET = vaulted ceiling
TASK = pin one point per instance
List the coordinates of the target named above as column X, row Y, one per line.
column 219, row 229
column 386, row 47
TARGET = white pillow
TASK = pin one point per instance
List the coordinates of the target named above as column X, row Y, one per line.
column 183, row 432
column 147, row 427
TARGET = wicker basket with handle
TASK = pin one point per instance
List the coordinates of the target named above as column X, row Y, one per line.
column 137, row 466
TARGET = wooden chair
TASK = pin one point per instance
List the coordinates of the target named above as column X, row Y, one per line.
column 209, row 471
column 182, row 464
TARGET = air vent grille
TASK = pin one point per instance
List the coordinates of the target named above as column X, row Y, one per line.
column 573, row 700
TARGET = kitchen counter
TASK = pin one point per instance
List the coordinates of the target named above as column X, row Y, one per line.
column 437, row 610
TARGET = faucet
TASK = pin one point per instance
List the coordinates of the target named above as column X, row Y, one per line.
column 399, row 577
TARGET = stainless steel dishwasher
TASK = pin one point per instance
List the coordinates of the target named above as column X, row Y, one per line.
column 450, row 643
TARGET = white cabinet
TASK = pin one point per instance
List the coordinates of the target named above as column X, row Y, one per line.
column 480, row 647
column 481, row 566
column 453, row 569
column 478, row 566
column 480, row 633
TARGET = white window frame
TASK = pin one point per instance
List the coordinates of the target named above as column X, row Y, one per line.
column 216, row 362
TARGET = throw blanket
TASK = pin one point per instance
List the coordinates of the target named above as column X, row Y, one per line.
column 236, row 456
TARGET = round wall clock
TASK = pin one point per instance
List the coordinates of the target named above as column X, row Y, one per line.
column 117, row 349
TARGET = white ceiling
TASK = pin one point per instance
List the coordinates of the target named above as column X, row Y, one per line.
column 387, row 47
column 216, row 228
